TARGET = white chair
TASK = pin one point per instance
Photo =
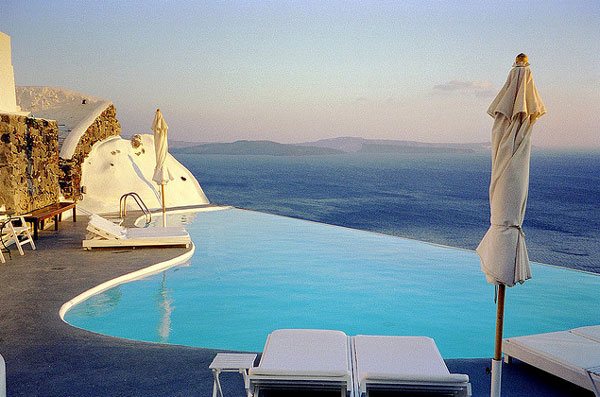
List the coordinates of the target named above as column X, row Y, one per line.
column 304, row 359
column 13, row 233
column 408, row 364
column 573, row 355
column 103, row 233
column 2, row 377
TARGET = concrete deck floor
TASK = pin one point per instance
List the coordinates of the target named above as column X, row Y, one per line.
column 47, row 357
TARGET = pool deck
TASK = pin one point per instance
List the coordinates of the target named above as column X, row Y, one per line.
column 47, row 357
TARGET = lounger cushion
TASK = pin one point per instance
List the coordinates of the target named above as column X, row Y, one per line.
column 404, row 358
column 564, row 347
column 591, row 332
column 107, row 226
column 304, row 352
column 156, row 232
column 565, row 354
column 104, row 234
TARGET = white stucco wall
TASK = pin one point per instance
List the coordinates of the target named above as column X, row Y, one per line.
column 8, row 100
column 114, row 168
column 67, row 108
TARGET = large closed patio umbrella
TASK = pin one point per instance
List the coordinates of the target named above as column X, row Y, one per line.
column 502, row 250
column 162, row 175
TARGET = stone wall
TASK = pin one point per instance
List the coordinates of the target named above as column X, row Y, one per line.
column 28, row 163
column 106, row 125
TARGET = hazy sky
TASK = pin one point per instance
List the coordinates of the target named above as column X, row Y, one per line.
column 305, row 70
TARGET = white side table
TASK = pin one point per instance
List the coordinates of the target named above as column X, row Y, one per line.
column 231, row 362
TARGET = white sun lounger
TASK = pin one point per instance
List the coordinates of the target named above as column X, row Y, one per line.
column 104, row 233
column 304, row 359
column 405, row 364
column 573, row 355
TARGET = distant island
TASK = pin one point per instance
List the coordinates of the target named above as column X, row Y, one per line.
column 333, row 146
column 256, row 148
column 363, row 145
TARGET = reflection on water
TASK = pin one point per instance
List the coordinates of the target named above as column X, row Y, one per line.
column 165, row 308
column 102, row 304
column 175, row 219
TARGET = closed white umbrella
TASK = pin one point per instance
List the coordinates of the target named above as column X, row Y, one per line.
column 502, row 250
column 162, row 175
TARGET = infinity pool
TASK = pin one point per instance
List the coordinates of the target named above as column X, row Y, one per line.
column 254, row 272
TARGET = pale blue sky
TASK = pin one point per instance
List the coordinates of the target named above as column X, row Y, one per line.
column 305, row 70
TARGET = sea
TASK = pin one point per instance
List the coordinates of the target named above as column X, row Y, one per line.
column 440, row 198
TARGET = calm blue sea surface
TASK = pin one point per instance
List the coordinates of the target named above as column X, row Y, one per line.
column 440, row 198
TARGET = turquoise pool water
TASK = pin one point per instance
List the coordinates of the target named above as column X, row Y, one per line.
column 254, row 272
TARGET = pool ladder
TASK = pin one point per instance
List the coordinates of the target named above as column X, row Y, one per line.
column 136, row 197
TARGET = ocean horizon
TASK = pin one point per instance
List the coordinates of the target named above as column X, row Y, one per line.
column 440, row 198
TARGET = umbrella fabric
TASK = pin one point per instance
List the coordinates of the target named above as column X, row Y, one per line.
column 162, row 174
column 516, row 108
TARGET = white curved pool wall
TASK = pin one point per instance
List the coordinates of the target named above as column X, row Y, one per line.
column 137, row 275
column 147, row 271
column 114, row 167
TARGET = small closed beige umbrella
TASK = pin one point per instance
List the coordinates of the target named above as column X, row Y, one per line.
column 162, row 175
column 502, row 250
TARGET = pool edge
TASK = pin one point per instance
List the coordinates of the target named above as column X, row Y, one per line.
column 445, row 246
column 135, row 275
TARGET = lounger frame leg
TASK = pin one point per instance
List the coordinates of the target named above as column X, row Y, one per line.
column 217, row 391
column 244, row 373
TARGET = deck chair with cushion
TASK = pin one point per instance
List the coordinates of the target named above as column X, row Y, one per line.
column 404, row 364
column 104, row 233
column 573, row 355
column 14, row 230
column 304, row 359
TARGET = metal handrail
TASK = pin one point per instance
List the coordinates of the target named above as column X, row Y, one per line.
column 139, row 202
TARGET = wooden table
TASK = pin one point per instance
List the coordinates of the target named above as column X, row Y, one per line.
column 55, row 211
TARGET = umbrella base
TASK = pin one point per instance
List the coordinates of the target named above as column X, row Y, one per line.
column 496, row 378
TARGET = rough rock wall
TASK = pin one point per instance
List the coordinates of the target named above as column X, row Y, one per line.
column 28, row 163
column 106, row 125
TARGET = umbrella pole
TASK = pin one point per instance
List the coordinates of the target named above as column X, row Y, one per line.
column 497, row 361
column 164, row 210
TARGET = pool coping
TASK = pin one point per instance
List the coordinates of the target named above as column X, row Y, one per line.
column 135, row 275
column 141, row 273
